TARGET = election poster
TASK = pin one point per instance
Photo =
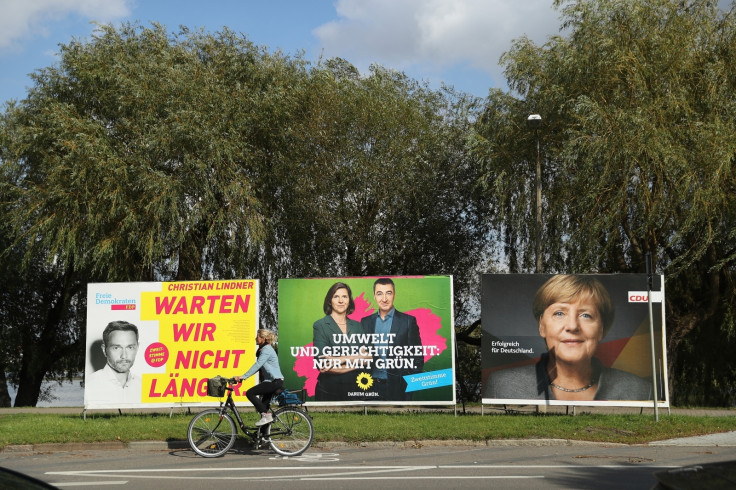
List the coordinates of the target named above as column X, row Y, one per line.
column 368, row 340
column 572, row 339
column 155, row 344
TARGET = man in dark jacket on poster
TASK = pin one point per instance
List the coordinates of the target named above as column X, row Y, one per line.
column 400, row 330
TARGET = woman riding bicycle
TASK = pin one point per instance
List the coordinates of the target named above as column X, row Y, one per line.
column 267, row 362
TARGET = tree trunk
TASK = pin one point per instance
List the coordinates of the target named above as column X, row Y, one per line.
column 191, row 254
column 37, row 357
column 42, row 350
column 29, row 389
column 4, row 395
column 679, row 329
column 681, row 324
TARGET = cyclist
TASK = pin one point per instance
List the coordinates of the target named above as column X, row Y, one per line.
column 267, row 362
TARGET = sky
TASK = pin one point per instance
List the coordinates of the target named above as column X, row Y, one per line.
column 455, row 42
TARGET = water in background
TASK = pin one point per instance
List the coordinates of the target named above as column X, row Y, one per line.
column 68, row 394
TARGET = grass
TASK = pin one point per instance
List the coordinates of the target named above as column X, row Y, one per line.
column 356, row 427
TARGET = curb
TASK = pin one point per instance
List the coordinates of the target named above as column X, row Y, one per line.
column 56, row 447
column 468, row 443
column 184, row 445
column 722, row 439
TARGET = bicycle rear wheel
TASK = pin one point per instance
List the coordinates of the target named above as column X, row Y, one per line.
column 291, row 431
column 211, row 435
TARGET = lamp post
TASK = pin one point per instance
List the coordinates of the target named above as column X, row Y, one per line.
column 534, row 121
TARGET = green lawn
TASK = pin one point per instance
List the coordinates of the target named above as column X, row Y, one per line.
column 33, row 428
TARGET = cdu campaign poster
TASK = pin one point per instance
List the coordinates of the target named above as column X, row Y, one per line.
column 368, row 340
column 572, row 339
column 155, row 344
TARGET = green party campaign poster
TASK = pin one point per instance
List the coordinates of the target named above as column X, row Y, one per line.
column 368, row 340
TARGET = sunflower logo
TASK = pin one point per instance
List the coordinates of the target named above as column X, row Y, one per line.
column 364, row 381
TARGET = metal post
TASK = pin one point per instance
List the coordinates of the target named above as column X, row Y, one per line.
column 651, row 333
column 534, row 121
column 539, row 209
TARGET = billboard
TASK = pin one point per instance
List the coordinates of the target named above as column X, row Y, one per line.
column 577, row 339
column 152, row 344
column 355, row 341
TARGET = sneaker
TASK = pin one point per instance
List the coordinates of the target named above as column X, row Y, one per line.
column 266, row 418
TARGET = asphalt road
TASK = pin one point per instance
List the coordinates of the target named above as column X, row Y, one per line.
column 428, row 465
column 545, row 464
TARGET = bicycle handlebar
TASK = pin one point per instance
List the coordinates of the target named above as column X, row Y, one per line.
column 231, row 381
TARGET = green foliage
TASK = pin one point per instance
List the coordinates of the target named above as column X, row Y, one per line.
column 134, row 155
column 378, row 182
column 639, row 143
column 144, row 155
column 468, row 373
column 40, row 307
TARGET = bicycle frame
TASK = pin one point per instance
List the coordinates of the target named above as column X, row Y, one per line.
column 212, row 432
column 253, row 432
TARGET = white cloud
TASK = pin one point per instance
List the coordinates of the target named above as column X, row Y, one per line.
column 24, row 19
column 434, row 34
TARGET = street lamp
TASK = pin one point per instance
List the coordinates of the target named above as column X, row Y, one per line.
column 534, row 121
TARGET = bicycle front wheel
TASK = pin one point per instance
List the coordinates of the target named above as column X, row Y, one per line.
column 291, row 431
column 211, row 434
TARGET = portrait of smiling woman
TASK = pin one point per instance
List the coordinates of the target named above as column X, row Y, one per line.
column 337, row 380
column 574, row 313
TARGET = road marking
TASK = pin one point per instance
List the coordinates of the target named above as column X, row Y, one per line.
column 555, row 466
column 335, row 471
column 507, row 477
column 310, row 458
column 220, row 469
column 342, row 468
column 321, row 473
column 88, row 483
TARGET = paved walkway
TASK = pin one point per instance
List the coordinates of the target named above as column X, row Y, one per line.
column 722, row 439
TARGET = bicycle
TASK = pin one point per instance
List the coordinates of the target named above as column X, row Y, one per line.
column 212, row 432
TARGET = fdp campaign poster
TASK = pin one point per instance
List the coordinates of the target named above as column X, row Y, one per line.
column 368, row 340
column 156, row 343
column 572, row 339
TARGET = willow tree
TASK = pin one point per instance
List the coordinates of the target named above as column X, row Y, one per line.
column 375, row 180
column 140, row 155
column 144, row 155
column 639, row 148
